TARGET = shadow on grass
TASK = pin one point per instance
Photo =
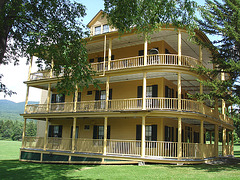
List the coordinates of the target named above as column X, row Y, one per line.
column 14, row 169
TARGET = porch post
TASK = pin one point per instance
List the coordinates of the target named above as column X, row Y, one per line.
column 179, row 145
column 30, row 68
column 202, row 138
column 143, row 137
column 109, row 53
column 48, row 98
column 144, row 91
column 179, row 91
column 223, row 102
column 76, row 99
column 46, row 133
column 74, row 133
column 26, row 101
column 200, row 54
column 51, row 71
column 216, row 135
column 24, row 132
column 105, row 136
column 145, row 50
column 201, row 92
column 179, row 47
column 104, row 54
column 107, row 92
column 224, row 142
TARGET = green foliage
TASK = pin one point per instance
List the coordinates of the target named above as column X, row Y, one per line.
column 12, row 130
column 222, row 19
column 51, row 30
column 150, row 15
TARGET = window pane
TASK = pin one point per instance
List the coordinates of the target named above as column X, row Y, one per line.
column 105, row 28
column 97, row 30
column 149, row 91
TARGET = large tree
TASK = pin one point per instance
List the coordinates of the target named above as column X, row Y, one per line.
column 222, row 20
column 49, row 29
column 149, row 15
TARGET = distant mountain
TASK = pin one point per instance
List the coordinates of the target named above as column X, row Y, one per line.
column 10, row 110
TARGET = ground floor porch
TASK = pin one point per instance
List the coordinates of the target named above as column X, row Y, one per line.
column 61, row 150
column 143, row 136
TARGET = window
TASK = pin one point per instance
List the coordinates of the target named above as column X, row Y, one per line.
column 101, row 95
column 150, row 132
column 58, row 98
column 105, row 28
column 91, row 60
column 169, row 133
column 148, row 135
column 76, row 135
column 89, row 92
column 97, row 30
column 98, row 132
column 86, row 127
column 55, row 131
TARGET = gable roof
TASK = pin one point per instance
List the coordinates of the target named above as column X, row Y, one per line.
column 95, row 18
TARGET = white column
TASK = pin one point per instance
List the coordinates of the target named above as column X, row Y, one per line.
column 179, row 145
column 109, row 53
column 107, row 92
column 51, row 71
column 24, row 132
column 30, row 68
column 143, row 137
column 105, row 137
column 144, row 91
column 75, row 99
column 46, row 135
column 74, row 134
column 49, row 97
column 202, row 138
column 179, row 91
column 26, row 101
column 216, row 135
column 200, row 54
column 179, row 47
column 104, row 54
column 145, row 50
column 224, row 141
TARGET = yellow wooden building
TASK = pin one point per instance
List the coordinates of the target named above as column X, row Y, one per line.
column 141, row 113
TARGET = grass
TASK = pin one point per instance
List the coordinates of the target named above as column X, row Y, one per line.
column 11, row 168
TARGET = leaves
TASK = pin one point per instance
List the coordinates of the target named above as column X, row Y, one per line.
column 51, row 30
column 150, row 15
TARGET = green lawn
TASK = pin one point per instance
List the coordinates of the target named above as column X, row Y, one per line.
column 11, row 168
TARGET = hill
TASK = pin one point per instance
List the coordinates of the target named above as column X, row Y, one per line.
column 10, row 110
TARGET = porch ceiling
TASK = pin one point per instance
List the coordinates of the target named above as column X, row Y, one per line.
column 189, row 82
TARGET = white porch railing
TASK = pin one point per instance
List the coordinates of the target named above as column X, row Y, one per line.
column 158, row 103
column 124, row 147
column 191, row 150
column 131, row 62
column 161, row 149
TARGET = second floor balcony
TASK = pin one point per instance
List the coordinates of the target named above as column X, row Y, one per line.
column 132, row 62
column 131, row 104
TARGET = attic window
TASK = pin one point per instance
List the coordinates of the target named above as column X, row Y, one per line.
column 105, row 28
column 97, row 30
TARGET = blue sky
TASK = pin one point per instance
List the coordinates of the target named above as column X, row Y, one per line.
column 14, row 76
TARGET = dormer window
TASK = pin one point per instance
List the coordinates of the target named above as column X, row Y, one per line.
column 97, row 30
column 105, row 28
